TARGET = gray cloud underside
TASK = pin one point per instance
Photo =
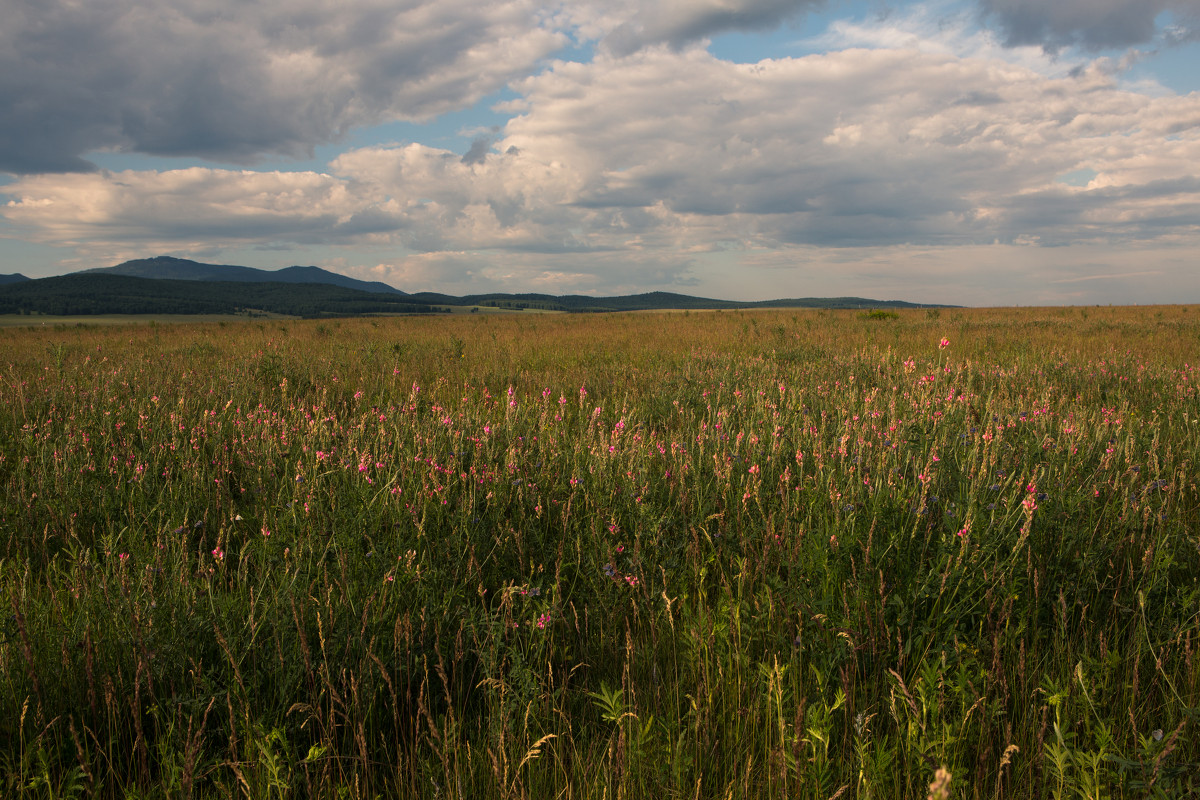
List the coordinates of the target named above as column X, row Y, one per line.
column 231, row 81
column 1159, row 208
column 1092, row 24
column 678, row 22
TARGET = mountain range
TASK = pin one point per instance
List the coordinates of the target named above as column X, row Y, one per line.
column 168, row 285
column 181, row 269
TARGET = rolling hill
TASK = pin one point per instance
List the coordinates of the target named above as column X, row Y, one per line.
column 167, row 285
column 97, row 293
column 182, row 269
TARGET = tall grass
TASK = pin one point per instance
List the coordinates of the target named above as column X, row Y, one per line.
column 778, row 554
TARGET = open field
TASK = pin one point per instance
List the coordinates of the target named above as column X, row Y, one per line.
column 732, row 554
column 86, row 320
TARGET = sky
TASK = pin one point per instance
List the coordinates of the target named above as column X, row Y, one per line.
column 968, row 152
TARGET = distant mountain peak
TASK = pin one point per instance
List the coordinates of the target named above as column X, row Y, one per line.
column 183, row 269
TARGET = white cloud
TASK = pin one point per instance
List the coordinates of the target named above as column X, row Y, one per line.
column 941, row 28
column 108, row 214
column 640, row 170
column 854, row 147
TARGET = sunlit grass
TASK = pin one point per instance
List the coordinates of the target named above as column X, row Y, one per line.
column 771, row 554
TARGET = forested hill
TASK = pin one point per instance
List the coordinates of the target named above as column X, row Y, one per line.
column 103, row 292
column 170, row 268
column 649, row 301
column 92, row 293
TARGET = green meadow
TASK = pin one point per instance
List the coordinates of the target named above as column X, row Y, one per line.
column 777, row 554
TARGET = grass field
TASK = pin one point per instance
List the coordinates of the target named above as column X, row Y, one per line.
column 730, row 555
column 90, row 320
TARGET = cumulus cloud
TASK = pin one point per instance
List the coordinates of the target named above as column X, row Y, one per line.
column 110, row 214
column 1092, row 24
column 637, row 170
column 938, row 30
column 231, row 81
column 857, row 147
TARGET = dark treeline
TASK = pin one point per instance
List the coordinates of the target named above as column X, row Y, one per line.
column 113, row 294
